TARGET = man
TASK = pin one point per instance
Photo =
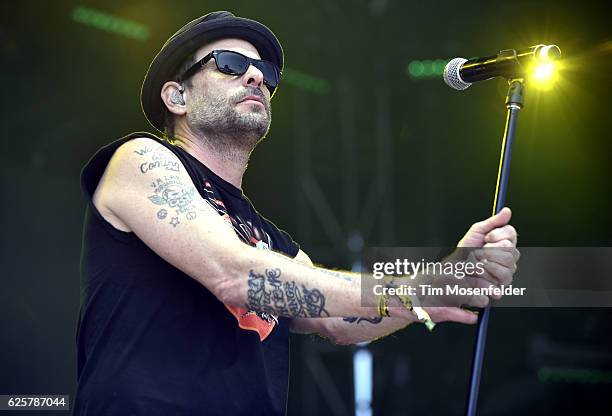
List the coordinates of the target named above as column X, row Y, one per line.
column 188, row 292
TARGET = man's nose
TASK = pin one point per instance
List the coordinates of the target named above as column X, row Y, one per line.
column 253, row 77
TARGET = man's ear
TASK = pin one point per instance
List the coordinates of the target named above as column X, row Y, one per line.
column 172, row 94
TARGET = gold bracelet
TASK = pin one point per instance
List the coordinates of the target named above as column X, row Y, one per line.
column 383, row 305
column 411, row 304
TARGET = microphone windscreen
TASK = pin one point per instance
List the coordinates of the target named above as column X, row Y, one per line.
column 452, row 77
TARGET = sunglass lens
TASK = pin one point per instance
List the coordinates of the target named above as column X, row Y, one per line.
column 231, row 63
column 269, row 72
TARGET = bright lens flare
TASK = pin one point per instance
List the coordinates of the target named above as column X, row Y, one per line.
column 544, row 75
column 543, row 72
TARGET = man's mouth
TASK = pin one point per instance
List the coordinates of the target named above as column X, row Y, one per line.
column 251, row 99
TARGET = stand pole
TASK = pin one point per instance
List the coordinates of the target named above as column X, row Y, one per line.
column 514, row 103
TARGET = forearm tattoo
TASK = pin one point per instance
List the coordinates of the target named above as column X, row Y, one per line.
column 267, row 293
column 335, row 274
column 174, row 197
column 356, row 319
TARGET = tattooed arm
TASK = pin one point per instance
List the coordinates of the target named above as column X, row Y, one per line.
column 349, row 330
column 146, row 190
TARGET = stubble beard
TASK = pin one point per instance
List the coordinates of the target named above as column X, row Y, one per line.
column 230, row 131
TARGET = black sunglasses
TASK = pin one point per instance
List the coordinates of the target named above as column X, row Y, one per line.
column 234, row 63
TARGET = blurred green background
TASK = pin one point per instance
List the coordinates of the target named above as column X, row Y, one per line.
column 360, row 153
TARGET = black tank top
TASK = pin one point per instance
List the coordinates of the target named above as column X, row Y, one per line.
column 153, row 341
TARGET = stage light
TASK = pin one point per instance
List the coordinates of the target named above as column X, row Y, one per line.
column 544, row 75
column 415, row 69
column 305, row 81
column 543, row 72
column 428, row 68
column 110, row 23
column 439, row 65
column 574, row 375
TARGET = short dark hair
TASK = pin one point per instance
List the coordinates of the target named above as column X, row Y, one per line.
column 169, row 119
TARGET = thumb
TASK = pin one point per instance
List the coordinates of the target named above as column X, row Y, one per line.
column 453, row 314
column 498, row 220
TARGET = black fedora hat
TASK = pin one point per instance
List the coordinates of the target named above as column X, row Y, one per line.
column 193, row 36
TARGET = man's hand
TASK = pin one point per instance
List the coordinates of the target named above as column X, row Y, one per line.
column 500, row 264
column 492, row 232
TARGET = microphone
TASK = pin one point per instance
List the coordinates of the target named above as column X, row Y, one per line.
column 460, row 73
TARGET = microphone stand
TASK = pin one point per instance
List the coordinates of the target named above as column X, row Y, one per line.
column 514, row 103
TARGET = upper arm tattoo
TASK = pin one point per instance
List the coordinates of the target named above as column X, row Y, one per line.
column 158, row 160
column 267, row 293
column 178, row 197
column 175, row 198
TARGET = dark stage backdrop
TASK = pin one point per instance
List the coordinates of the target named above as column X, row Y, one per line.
column 362, row 152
